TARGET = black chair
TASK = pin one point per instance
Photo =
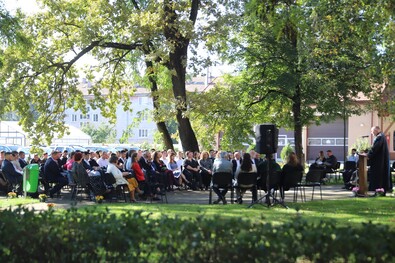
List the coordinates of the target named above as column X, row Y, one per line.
column 248, row 181
column 156, row 182
column 293, row 180
column 349, row 168
column 335, row 172
column 221, row 180
column 120, row 191
column 313, row 179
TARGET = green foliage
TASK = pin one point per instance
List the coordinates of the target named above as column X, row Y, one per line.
column 361, row 144
column 285, row 152
column 145, row 146
column 103, row 237
column 104, row 133
column 302, row 62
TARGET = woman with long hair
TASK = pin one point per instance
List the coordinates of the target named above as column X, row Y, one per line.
column 173, row 166
column 246, row 167
column 206, row 167
column 165, row 175
column 293, row 165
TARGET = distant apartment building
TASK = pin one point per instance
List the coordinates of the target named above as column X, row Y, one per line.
column 141, row 106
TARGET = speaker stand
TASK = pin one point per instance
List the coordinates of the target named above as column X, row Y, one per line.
column 269, row 194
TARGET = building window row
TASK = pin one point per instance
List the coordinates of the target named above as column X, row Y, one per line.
column 327, row 141
column 143, row 133
column 283, row 141
column 84, row 117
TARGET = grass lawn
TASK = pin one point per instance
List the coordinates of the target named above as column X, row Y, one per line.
column 343, row 212
column 6, row 202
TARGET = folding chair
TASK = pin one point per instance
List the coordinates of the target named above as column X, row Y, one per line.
column 221, row 181
column 292, row 180
column 313, row 179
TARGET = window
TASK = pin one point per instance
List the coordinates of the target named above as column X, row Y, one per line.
column 84, row 117
column 95, row 117
column 326, row 141
column 314, row 142
column 74, row 117
column 143, row 133
column 140, row 100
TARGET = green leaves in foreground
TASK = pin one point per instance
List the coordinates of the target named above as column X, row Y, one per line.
column 102, row 236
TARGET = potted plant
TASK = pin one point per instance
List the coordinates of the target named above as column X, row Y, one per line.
column 12, row 195
column 380, row 192
column 42, row 197
column 99, row 199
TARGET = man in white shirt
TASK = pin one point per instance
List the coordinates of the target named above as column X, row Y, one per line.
column 354, row 156
column 103, row 160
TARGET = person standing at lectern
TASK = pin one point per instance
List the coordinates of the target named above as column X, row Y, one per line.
column 378, row 157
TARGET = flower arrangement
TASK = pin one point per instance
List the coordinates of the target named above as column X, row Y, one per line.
column 355, row 190
column 51, row 205
column 42, row 197
column 11, row 195
column 99, row 198
column 380, row 192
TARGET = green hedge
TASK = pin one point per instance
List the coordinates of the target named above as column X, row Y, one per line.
column 76, row 236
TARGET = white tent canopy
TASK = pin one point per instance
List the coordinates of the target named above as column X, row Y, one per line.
column 12, row 133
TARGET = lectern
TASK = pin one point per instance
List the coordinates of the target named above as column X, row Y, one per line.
column 363, row 175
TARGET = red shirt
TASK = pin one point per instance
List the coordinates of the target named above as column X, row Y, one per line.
column 138, row 172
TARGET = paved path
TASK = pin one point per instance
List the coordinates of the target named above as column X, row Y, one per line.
column 329, row 192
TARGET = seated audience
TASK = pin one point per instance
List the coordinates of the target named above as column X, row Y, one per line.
column 10, row 173
column 191, row 171
column 21, row 159
column 103, row 160
column 246, row 167
column 206, row 167
column 221, row 164
column 163, row 174
column 289, row 168
column 52, row 173
column 120, row 178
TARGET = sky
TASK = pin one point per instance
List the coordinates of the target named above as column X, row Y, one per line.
column 27, row 6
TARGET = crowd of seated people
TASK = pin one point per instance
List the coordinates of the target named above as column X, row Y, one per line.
column 326, row 164
column 146, row 173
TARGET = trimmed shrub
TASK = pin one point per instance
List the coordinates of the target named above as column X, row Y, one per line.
column 75, row 236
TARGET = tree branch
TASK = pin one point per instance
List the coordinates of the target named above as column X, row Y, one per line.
column 120, row 45
column 262, row 98
column 194, row 11
column 135, row 4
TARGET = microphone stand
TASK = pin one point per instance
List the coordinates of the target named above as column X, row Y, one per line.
column 269, row 195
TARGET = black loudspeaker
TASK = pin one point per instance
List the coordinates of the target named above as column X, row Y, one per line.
column 266, row 138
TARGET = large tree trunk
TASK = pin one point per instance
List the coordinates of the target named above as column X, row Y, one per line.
column 160, row 125
column 187, row 135
column 177, row 64
column 296, row 110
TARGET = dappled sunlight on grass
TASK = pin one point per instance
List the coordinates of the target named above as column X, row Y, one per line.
column 343, row 212
column 7, row 202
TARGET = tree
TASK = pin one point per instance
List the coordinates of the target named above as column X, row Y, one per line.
column 303, row 61
column 118, row 35
column 104, row 133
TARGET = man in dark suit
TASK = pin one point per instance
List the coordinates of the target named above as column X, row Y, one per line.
column 52, row 173
column 236, row 162
column 22, row 161
column 92, row 160
column 8, row 169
